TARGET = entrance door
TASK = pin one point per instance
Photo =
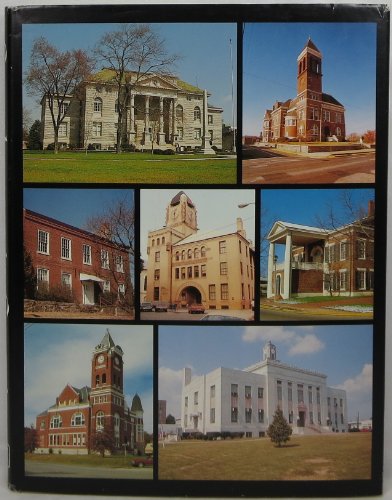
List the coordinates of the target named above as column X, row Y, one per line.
column 191, row 295
column 301, row 421
column 88, row 293
column 195, row 423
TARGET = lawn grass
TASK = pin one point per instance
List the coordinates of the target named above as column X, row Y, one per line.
column 326, row 298
column 320, row 457
column 113, row 461
column 45, row 166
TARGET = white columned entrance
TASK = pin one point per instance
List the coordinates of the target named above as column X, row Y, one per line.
column 147, row 137
column 287, row 267
column 161, row 135
column 271, row 257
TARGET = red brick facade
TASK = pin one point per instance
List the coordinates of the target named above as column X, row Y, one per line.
column 70, row 261
column 68, row 425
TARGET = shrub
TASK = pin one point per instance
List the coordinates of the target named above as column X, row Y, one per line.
column 56, row 294
column 168, row 152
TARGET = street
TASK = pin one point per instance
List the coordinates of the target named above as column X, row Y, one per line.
column 33, row 468
column 271, row 168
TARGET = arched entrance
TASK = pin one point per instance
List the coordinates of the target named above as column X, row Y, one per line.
column 190, row 295
column 327, row 132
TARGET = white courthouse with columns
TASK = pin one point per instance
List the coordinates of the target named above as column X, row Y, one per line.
column 164, row 111
column 244, row 401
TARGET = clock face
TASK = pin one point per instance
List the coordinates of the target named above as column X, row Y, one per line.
column 101, row 359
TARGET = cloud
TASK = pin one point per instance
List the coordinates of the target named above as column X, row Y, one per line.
column 308, row 344
column 297, row 338
column 170, row 388
column 360, row 383
column 359, row 393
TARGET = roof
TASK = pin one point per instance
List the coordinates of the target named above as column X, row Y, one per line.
column 136, row 403
column 330, row 99
column 193, row 238
column 309, row 44
column 177, row 197
column 84, row 393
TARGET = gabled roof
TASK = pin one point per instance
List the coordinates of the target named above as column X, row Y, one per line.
column 309, row 44
column 177, row 197
column 301, row 234
column 330, row 99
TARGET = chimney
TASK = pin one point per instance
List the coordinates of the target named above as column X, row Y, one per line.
column 371, row 208
column 240, row 227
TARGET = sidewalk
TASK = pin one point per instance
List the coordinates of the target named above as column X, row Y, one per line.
column 310, row 309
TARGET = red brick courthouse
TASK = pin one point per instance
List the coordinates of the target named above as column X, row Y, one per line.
column 70, row 262
column 70, row 424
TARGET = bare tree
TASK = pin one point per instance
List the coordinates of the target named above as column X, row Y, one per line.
column 55, row 76
column 26, row 123
column 132, row 52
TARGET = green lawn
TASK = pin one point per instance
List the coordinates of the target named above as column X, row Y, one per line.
column 328, row 298
column 319, row 457
column 115, row 461
column 106, row 167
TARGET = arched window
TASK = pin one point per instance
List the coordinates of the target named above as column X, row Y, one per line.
column 163, row 240
column 196, row 253
column 338, row 131
column 153, row 243
column 77, row 419
column 183, row 255
column 56, row 422
column 179, row 112
column 98, row 105
column 96, row 379
column 189, row 254
column 100, row 421
column 158, row 241
column 177, row 255
column 203, row 251
column 197, row 114
column 104, row 378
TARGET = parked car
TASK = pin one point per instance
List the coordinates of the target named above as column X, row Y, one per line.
column 221, row 317
column 149, row 449
column 196, row 309
column 160, row 307
column 146, row 306
column 142, row 461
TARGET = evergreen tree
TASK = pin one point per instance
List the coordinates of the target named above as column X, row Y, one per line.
column 30, row 279
column 35, row 135
column 170, row 419
column 279, row 431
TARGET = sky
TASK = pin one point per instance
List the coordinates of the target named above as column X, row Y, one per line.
column 197, row 64
column 270, row 52
column 305, row 206
column 325, row 349
column 57, row 354
column 216, row 209
column 73, row 206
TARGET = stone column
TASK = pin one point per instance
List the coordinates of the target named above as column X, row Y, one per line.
column 271, row 258
column 132, row 133
column 161, row 134
column 147, row 138
column 173, row 120
column 205, row 145
column 287, row 267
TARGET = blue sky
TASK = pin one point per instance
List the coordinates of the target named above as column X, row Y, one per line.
column 326, row 349
column 73, row 206
column 57, row 354
column 216, row 209
column 204, row 49
column 348, row 67
column 303, row 206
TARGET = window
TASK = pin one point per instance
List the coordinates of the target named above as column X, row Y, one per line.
column 43, row 277
column 196, row 398
column 260, row 392
column 189, row 272
column 290, row 391
column 211, row 292
column 343, row 250
column 116, row 108
column 56, row 422
column 63, row 129
column 342, row 280
column 156, row 274
column 156, row 292
column 224, row 291
column 223, row 268
column 77, row 419
column 261, row 416
column 248, row 415
column 248, row 392
column 196, row 253
column 119, row 264
column 234, row 415
column 210, row 119
column 183, row 255
column 65, row 248
column 183, row 273
column 314, row 113
column 300, row 393
column 197, row 133
column 64, row 108
column 196, row 271
column 43, row 242
column 97, row 129
column 234, row 390
column 338, row 120
column 203, row 251
column 186, row 402
column 180, row 133
column 100, row 421
column 212, row 391
column 197, row 114
column 239, row 246
column 279, row 389
column 318, row 395
column 66, row 280
column 157, row 256
column 98, row 105
column 87, row 254
column 104, row 259
column 189, row 253
column 338, row 131
column 361, row 249
column 158, row 241
column 106, row 286
column 212, row 415
column 177, row 255
column 361, row 279
column 326, row 115
column 222, row 247
column 203, row 269
column 179, row 113
column 211, row 134
column 310, row 395
column 121, row 289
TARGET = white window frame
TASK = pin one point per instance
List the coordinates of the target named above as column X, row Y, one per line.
column 63, row 129
column 362, row 255
column 87, row 256
column 197, row 133
column 97, row 105
column 40, row 275
column 66, row 248
column 343, row 281
column 343, row 250
column 363, row 272
column 97, row 129
column 121, row 289
column 64, row 282
column 43, row 244
column 105, row 259
column 106, row 286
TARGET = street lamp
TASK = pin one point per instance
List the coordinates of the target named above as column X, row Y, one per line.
column 243, row 205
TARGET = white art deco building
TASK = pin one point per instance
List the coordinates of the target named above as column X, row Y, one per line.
column 244, row 401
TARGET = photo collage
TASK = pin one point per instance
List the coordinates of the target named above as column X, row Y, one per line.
column 202, row 259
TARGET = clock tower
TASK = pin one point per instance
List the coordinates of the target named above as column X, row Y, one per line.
column 107, row 396
column 309, row 75
column 181, row 214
